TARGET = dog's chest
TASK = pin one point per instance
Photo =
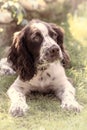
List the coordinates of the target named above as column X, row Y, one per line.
column 46, row 79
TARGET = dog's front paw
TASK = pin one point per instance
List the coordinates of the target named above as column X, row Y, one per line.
column 71, row 105
column 5, row 67
column 18, row 109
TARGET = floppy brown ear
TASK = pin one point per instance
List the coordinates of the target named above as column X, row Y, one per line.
column 20, row 58
column 60, row 40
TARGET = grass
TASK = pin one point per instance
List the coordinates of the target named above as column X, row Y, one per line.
column 45, row 112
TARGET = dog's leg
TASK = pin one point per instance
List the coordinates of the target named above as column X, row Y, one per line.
column 5, row 67
column 17, row 93
column 66, row 93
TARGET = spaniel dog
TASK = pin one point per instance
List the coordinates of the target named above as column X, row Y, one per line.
column 38, row 56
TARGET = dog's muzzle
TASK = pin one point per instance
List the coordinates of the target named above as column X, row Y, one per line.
column 53, row 53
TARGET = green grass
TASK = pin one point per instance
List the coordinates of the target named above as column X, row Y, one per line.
column 45, row 112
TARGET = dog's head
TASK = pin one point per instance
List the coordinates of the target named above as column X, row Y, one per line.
column 37, row 43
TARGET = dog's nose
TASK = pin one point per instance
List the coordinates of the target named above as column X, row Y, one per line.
column 54, row 50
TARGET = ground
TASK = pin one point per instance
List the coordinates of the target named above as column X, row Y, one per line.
column 45, row 112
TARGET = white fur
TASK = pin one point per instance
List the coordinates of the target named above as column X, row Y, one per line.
column 5, row 67
column 53, row 77
column 57, row 81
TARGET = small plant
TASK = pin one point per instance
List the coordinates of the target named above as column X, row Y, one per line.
column 18, row 13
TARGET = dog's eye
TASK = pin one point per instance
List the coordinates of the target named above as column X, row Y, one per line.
column 54, row 36
column 36, row 37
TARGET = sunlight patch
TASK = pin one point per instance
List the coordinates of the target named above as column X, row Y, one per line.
column 78, row 28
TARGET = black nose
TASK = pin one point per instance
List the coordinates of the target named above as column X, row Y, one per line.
column 54, row 50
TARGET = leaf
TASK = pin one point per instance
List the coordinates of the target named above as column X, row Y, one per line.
column 19, row 18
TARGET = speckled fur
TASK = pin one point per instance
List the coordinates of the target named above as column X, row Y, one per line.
column 49, row 75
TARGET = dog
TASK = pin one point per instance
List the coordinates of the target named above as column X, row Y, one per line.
column 38, row 56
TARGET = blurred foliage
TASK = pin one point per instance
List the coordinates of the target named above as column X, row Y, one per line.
column 55, row 11
column 76, row 43
column 82, row 9
column 16, row 10
column 78, row 23
column 1, row 29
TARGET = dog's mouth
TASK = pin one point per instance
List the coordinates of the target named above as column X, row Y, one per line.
column 44, row 63
column 52, row 58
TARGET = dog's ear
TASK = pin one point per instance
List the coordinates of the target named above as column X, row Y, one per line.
column 60, row 41
column 20, row 58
